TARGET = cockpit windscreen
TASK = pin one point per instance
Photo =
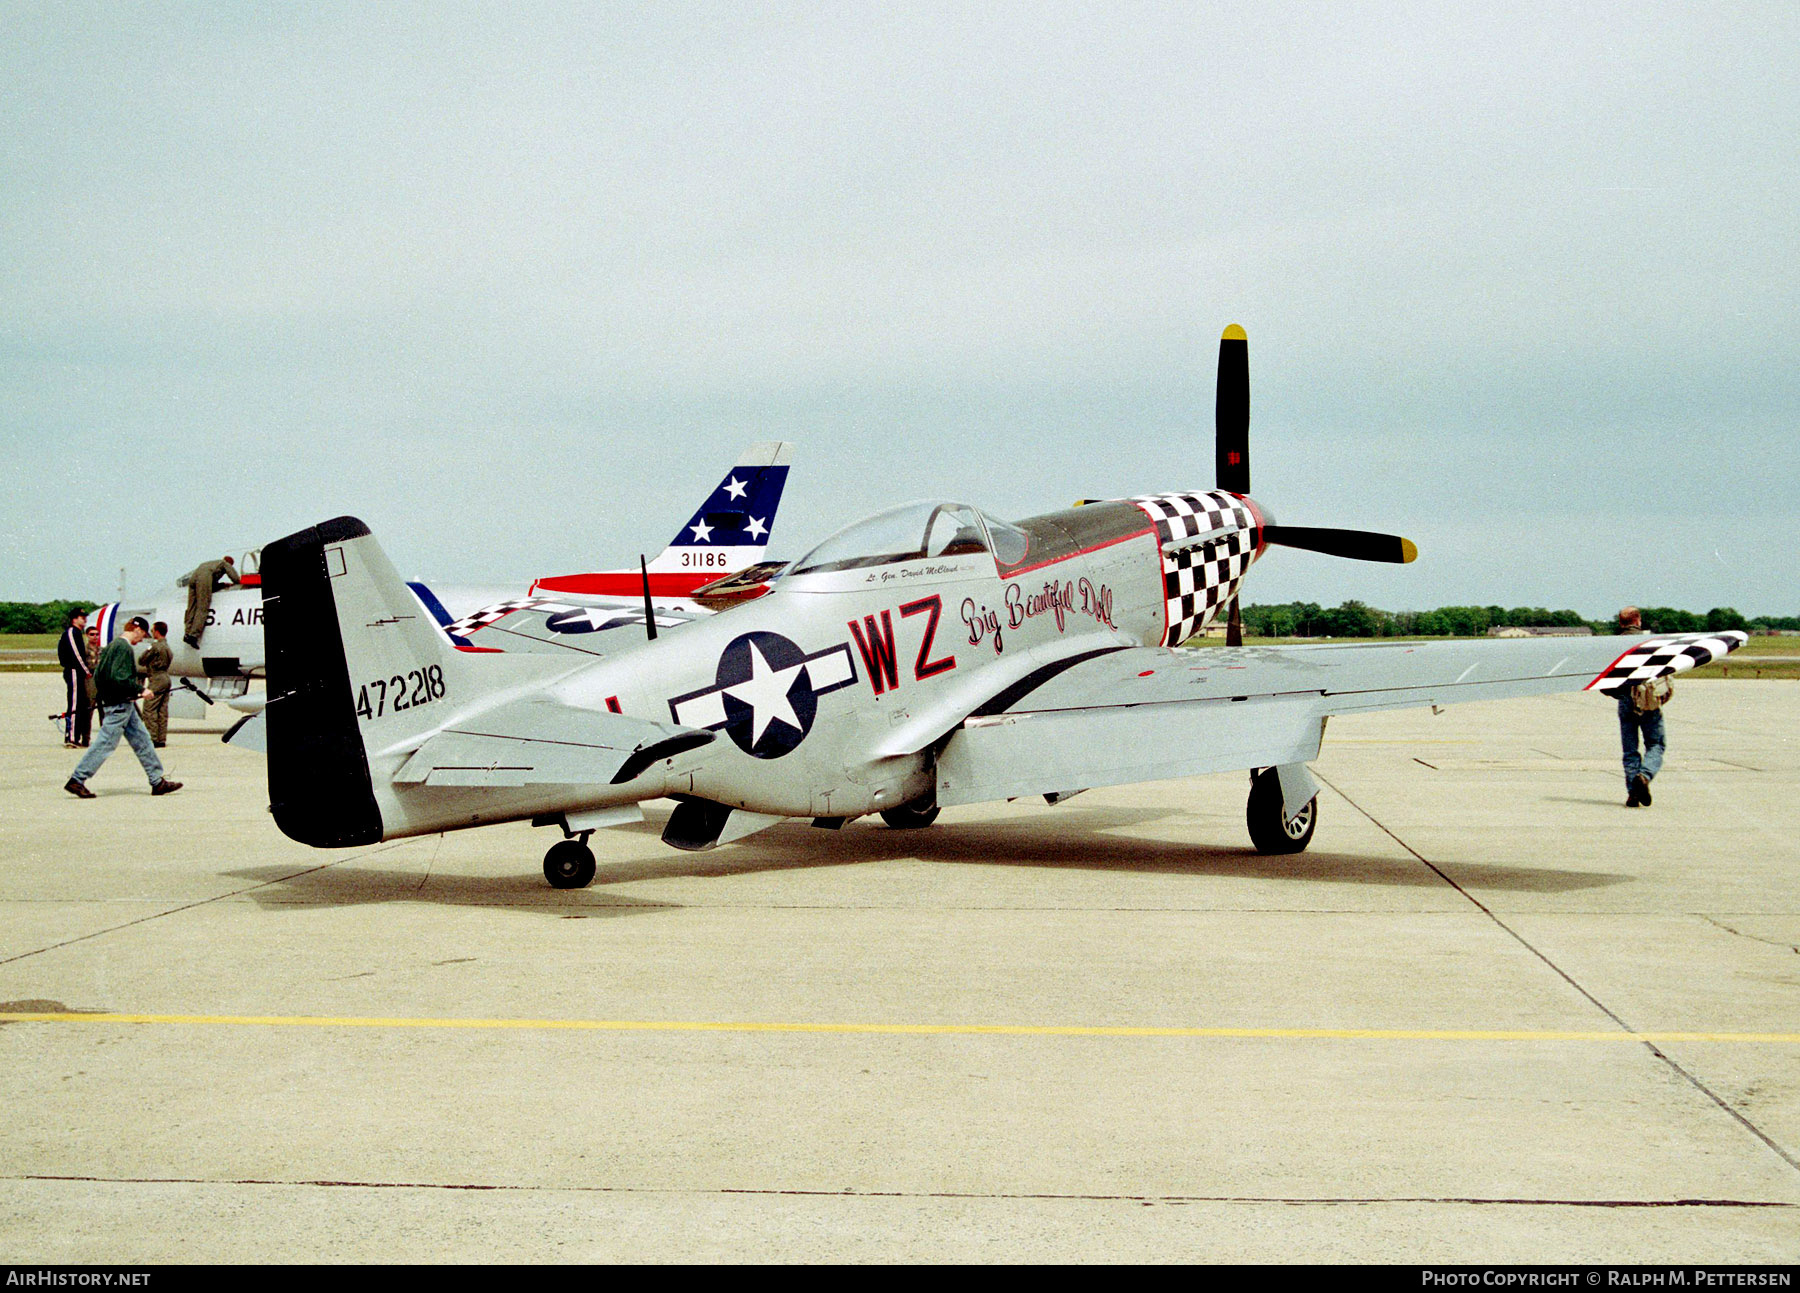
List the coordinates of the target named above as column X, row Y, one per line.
column 910, row 532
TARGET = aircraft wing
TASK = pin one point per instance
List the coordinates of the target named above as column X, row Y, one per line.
column 543, row 625
column 541, row 743
column 1148, row 713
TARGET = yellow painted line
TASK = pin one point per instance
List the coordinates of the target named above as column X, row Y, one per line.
column 927, row 1030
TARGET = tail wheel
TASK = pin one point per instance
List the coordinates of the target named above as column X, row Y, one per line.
column 1271, row 829
column 569, row 865
column 910, row 817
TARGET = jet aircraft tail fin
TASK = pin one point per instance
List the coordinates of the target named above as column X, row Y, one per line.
column 731, row 528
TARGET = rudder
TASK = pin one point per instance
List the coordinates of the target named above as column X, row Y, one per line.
column 350, row 657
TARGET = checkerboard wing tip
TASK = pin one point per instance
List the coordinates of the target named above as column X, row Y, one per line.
column 1663, row 656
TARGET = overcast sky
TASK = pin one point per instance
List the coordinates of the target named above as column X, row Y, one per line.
column 1521, row 283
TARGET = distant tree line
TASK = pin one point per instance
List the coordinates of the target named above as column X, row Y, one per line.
column 1359, row 620
column 38, row 617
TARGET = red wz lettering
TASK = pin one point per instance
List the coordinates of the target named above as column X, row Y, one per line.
column 878, row 651
column 880, row 654
column 931, row 607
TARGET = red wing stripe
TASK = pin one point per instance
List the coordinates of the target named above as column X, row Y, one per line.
column 1601, row 676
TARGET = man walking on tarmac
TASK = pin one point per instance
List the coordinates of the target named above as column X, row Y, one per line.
column 71, row 654
column 116, row 684
column 153, row 667
column 207, row 576
column 1641, row 714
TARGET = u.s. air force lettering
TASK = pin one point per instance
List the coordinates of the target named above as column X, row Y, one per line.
column 766, row 693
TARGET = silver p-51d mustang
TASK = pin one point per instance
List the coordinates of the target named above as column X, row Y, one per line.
column 930, row 655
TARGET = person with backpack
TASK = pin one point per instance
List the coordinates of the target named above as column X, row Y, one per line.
column 1641, row 716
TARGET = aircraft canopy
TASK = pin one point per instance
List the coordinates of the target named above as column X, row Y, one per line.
column 914, row 532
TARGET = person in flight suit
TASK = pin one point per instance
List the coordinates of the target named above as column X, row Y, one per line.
column 153, row 667
column 71, row 654
column 117, row 679
column 207, row 576
column 93, row 658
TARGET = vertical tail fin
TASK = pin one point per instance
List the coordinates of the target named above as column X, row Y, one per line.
column 731, row 528
column 354, row 665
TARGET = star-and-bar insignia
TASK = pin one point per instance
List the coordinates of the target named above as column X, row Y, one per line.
column 766, row 692
column 593, row 619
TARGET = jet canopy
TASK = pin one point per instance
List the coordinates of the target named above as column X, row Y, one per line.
column 914, row 532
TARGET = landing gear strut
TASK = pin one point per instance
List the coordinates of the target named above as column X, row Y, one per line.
column 1271, row 829
column 569, row 864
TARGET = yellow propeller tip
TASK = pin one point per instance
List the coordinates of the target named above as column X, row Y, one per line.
column 1234, row 333
column 1408, row 550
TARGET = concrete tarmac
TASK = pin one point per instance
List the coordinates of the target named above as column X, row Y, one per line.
column 1490, row 1016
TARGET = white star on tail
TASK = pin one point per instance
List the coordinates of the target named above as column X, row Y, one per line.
column 767, row 694
column 702, row 533
column 756, row 528
column 734, row 487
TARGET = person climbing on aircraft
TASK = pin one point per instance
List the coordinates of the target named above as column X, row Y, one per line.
column 207, row 576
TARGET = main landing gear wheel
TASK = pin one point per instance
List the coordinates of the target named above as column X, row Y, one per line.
column 1270, row 829
column 569, row 865
column 909, row 817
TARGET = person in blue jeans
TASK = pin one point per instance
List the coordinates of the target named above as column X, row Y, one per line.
column 1639, row 769
column 1645, row 723
column 116, row 689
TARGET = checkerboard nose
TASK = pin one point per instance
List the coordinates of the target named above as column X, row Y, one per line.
column 1209, row 541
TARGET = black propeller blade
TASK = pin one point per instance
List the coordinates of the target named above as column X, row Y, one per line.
column 1231, row 437
column 1357, row 545
column 1231, row 414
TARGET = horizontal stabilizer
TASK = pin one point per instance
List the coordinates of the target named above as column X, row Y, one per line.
column 546, row 626
column 540, row 743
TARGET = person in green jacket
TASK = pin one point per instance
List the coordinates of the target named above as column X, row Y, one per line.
column 153, row 668
column 116, row 691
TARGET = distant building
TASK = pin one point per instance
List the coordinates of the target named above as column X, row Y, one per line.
column 1556, row 631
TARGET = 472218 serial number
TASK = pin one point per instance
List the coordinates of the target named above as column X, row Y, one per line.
column 401, row 692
